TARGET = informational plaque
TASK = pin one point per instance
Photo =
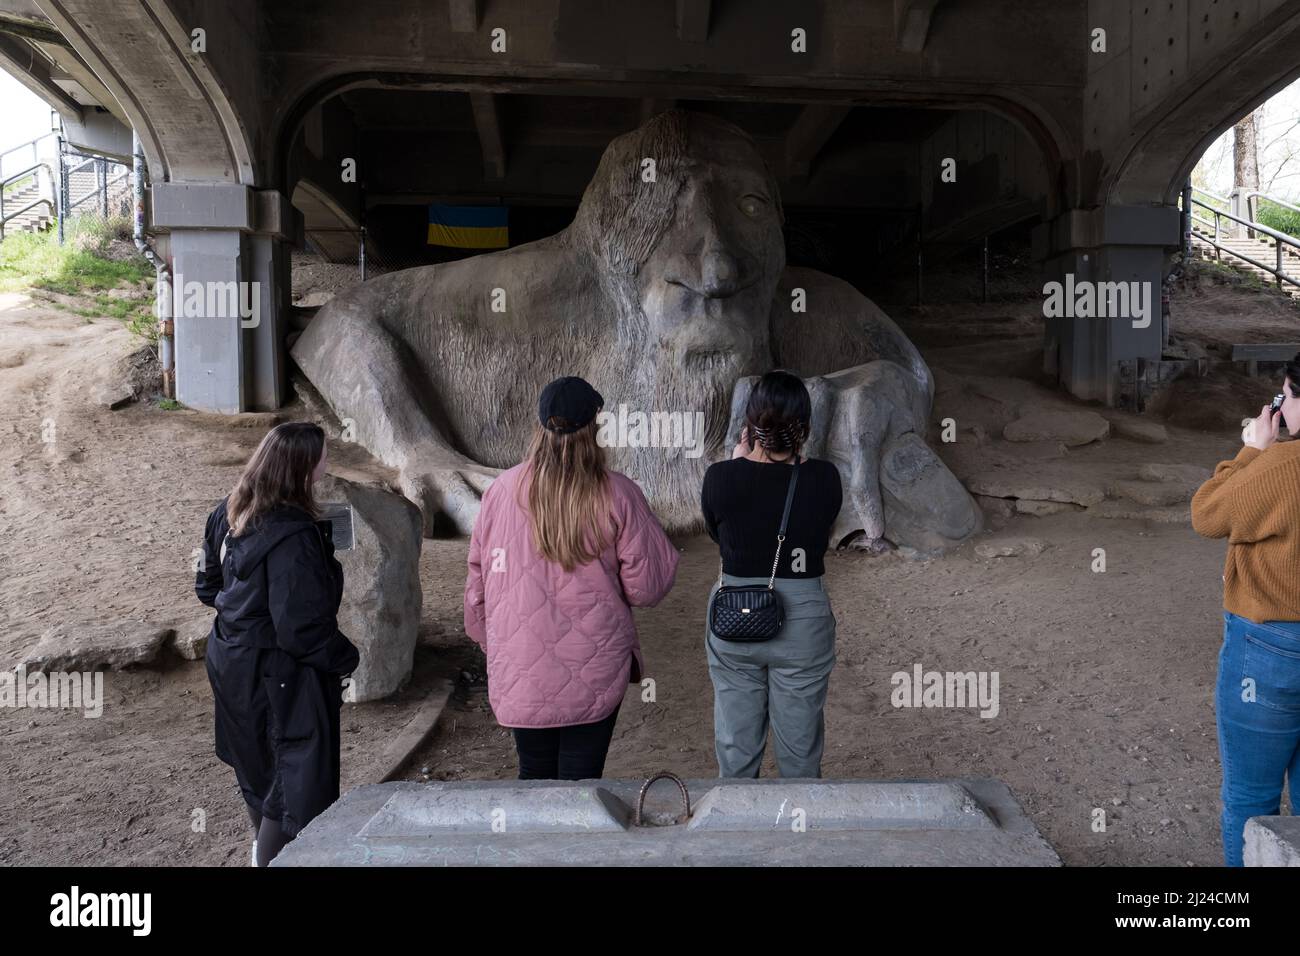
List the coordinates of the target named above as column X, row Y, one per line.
column 339, row 515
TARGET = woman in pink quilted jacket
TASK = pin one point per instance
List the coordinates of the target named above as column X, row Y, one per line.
column 561, row 552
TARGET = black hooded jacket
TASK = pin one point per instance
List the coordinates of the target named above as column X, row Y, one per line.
column 277, row 585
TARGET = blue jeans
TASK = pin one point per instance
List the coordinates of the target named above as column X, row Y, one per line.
column 1257, row 703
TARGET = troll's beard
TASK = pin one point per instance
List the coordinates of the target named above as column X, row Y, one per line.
column 676, row 375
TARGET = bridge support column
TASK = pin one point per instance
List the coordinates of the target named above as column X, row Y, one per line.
column 230, row 287
column 1103, row 271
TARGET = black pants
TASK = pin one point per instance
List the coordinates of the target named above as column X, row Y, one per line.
column 565, row 753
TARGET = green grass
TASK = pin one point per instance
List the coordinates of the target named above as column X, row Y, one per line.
column 170, row 405
column 36, row 260
column 1279, row 217
column 80, row 268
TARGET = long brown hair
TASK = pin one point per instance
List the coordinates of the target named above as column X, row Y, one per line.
column 568, row 496
column 279, row 473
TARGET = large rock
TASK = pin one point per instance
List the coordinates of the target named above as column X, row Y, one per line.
column 1136, row 429
column 1188, row 474
column 996, row 507
column 1069, row 427
column 90, row 647
column 191, row 641
column 1041, row 509
column 1134, row 511
column 1038, row 484
column 1157, row 494
column 381, row 591
column 1011, row 548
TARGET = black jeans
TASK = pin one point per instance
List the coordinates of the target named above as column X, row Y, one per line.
column 564, row 753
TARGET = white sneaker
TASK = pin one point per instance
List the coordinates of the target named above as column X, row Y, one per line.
column 253, row 861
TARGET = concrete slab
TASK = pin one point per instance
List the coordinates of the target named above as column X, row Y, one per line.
column 1272, row 841
column 969, row 822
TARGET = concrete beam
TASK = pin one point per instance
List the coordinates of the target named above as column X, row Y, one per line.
column 464, row 15
column 33, row 71
column 30, row 29
column 183, row 110
column 100, row 132
column 488, row 124
column 693, row 20
column 194, row 206
column 912, row 22
column 810, row 132
column 68, row 68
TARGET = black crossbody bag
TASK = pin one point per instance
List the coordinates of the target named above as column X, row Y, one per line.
column 752, row 612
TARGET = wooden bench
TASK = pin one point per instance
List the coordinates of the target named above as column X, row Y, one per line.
column 1252, row 355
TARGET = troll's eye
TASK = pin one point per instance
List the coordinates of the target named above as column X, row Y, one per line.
column 752, row 206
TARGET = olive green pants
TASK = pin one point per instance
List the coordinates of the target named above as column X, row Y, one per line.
column 781, row 682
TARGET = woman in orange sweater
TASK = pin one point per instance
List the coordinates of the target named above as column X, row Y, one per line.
column 1254, row 501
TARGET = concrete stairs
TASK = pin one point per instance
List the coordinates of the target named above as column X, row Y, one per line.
column 1261, row 249
column 36, row 219
column 83, row 192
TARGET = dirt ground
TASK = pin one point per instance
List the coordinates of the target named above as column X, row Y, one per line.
column 1106, row 679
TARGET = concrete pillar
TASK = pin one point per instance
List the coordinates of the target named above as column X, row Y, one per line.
column 230, row 290
column 278, row 226
column 1086, row 252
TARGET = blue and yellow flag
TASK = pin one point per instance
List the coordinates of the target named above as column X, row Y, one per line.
column 469, row 227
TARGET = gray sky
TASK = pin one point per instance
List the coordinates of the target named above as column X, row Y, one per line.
column 1278, row 141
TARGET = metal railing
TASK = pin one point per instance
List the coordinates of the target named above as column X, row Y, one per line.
column 63, row 189
column 33, row 172
column 30, row 144
column 1281, row 239
column 1250, row 198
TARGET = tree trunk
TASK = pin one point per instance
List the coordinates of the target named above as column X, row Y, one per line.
column 1245, row 162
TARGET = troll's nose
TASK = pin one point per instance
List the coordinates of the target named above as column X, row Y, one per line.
column 719, row 274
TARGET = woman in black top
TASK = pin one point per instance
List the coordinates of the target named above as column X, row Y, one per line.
column 783, row 680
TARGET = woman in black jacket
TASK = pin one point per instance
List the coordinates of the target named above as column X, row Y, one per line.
column 276, row 658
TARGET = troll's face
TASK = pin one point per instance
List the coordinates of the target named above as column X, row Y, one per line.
column 706, row 288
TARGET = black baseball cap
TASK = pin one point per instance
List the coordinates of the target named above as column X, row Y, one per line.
column 568, row 404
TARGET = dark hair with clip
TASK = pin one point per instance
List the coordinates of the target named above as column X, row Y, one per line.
column 778, row 412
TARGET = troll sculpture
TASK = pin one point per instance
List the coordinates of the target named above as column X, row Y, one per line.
column 669, row 292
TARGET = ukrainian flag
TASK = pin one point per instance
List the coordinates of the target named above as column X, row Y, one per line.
column 469, row 227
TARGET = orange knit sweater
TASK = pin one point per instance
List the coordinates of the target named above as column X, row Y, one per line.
column 1254, row 502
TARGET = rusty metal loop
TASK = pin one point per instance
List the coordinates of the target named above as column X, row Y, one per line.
column 645, row 788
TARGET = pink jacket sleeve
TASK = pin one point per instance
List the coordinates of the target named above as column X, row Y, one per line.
column 475, row 609
column 647, row 560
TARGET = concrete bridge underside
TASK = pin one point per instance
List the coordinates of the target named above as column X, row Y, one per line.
column 240, row 104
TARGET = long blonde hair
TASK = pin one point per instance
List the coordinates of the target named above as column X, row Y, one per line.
column 279, row 473
column 568, row 496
